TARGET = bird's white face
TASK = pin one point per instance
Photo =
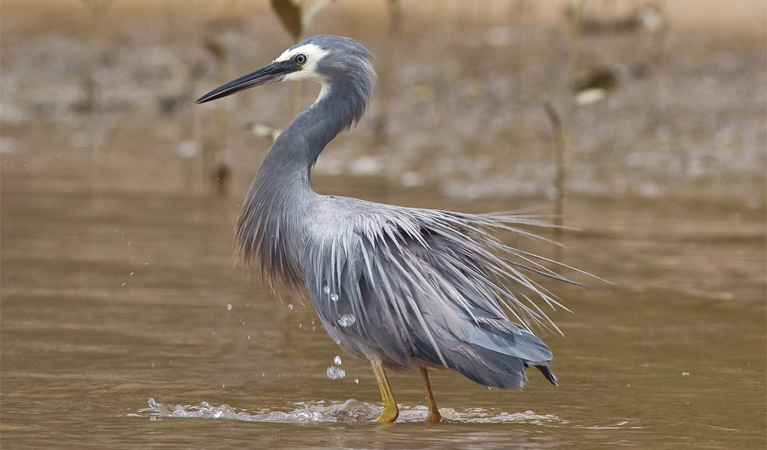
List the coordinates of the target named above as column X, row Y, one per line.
column 313, row 55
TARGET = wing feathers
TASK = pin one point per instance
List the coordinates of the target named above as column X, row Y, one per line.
column 428, row 284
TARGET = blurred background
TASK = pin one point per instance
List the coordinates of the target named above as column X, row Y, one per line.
column 641, row 124
column 658, row 100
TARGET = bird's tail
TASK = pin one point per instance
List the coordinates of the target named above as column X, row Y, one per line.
column 492, row 352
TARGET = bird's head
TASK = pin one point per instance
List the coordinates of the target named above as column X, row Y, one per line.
column 328, row 60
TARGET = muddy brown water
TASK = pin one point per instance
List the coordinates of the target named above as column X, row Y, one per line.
column 124, row 325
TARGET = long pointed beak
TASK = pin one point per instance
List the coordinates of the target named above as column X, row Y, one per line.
column 274, row 72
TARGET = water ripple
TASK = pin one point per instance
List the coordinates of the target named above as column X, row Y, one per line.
column 350, row 411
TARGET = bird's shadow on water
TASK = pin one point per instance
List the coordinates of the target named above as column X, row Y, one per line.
column 351, row 412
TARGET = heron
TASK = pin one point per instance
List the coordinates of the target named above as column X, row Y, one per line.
column 404, row 288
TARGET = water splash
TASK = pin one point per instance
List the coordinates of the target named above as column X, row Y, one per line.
column 346, row 320
column 335, row 373
column 337, row 360
column 326, row 290
column 481, row 415
column 350, row 411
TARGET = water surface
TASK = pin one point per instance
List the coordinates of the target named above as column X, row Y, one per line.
column 124, row 324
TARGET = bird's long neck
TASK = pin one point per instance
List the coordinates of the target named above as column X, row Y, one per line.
column 295, row 151
column 271, row 219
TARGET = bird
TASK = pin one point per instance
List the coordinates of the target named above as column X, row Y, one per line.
column 404, row 288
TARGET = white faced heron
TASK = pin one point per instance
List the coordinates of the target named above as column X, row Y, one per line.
column 400, row 287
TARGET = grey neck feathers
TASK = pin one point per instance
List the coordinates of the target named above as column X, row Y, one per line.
column 295, row 151
column 270, row 223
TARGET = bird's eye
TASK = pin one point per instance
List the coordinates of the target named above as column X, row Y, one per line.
column 300, row 59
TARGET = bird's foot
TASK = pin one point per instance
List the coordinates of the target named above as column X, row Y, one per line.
column 389, row 414
column 433, row 416
column 390, row 410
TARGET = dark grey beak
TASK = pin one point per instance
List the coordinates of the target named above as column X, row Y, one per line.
column 275, row 71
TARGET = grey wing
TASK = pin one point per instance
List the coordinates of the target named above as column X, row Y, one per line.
column 397, row 284
column 353, row 289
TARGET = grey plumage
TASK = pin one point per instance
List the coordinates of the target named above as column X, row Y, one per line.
column 403, row 287
column 423, row 287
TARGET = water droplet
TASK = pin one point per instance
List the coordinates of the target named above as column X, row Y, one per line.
column 229, row 307
column 334, row 373
column 337, row 341
column 326, row 289
column 334, row 297
column 346, row 320
column 131, row 274
column 356, row 381
column 337, row 360
column 248, row 337
column 290, row 306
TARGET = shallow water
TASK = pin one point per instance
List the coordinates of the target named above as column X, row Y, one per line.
column 125, row 325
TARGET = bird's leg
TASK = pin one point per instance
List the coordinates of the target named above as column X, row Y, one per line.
column 390, row 410
column 433, row 416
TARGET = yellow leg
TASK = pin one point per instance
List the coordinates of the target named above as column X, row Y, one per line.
column 390, row 410
column 433, row 416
